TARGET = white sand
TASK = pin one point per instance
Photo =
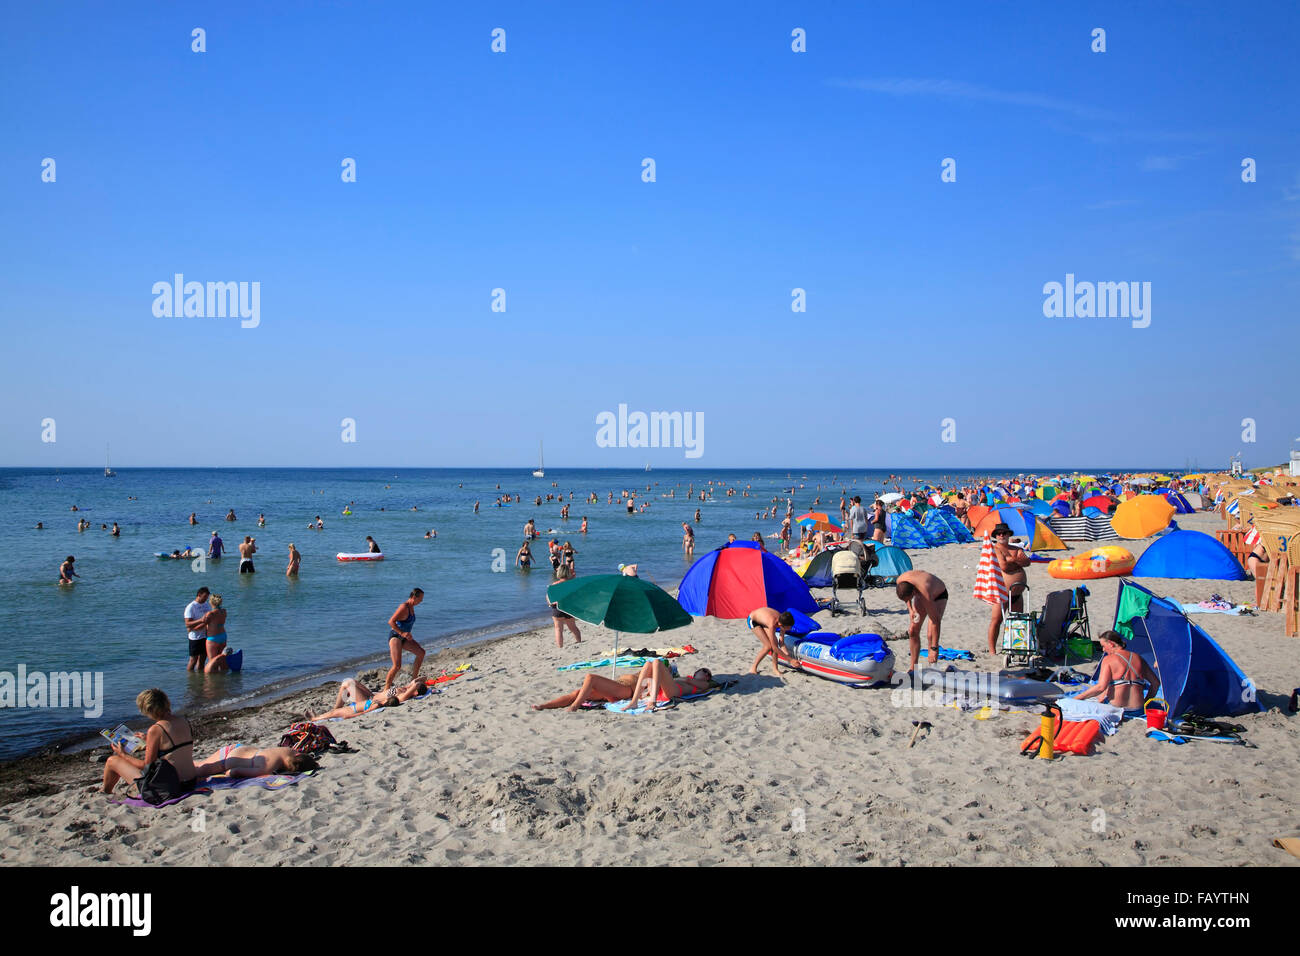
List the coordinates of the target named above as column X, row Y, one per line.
column 803, row 771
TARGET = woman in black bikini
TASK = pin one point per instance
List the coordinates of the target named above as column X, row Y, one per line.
column 878, row 521
column 170, row 738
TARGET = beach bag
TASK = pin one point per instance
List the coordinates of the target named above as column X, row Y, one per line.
column 159, row 783
column 310, row 739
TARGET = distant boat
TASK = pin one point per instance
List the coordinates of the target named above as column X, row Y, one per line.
column 541, row 463
column 108, row 472
column 647, row 466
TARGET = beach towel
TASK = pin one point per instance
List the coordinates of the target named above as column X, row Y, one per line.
column 1107, row 715
column 617, row 662
column 275, row 781
column 948, row 654
column 1166, row 737
column 623, row 706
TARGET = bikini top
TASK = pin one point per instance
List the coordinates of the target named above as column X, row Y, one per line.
column 175, row 746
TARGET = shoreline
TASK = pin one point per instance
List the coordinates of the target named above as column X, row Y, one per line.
column 55, row 770
column 268, row 694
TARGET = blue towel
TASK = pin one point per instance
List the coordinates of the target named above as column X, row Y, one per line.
column 948, row 654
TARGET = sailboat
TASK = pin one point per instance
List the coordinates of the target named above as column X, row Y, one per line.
column 108, row 472
column 647, row 466
column 541, row 463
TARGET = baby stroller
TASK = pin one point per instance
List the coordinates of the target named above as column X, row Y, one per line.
column 848, row 572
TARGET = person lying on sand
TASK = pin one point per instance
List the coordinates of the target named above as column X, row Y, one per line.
column 658, row 680
column 355, row 698
column 594, row 687
column 245, row 761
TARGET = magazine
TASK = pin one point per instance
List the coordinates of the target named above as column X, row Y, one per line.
column 125, row 737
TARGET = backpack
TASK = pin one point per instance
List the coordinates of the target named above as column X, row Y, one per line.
column 311, row 739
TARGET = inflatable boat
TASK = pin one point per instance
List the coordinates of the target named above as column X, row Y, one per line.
column 860, row 660
column 344, row 556
column 1107, row 561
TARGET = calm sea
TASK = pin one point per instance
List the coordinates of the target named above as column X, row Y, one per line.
column 123, row 619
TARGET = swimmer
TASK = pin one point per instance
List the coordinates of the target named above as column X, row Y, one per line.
column 67, row 571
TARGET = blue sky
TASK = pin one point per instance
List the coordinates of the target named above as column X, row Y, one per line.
column 522, row 171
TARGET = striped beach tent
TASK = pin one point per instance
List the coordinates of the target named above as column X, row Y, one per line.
column 1093, row 528
column 990, row 586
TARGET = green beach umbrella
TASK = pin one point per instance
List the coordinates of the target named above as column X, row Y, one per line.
column 619, row 602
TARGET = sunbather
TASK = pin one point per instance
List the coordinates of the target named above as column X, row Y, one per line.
column 1124, row 678
column 663, row 686
column 355, row 698
column 594, row 687
column 246, row 761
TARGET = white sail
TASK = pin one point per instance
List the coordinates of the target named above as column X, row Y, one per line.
column 541, row 463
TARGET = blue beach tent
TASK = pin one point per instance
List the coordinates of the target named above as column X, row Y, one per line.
column 1188, row 554
column 936, row 530
column 960, row 533
column 906, row 532
column 893, row 562
column 1196, row 675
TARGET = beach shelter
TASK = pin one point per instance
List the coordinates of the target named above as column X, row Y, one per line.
column 893, row 562
column 1142, row 516
column 936, row 530
column 1196, row 676
column 619, row 602
column 1188, row 554
column 961, row 534
column 1181, row 505
column 1041, row 508
column 1023, row 524
column 730, row 582
column 906, row 532
column 1194, row 499
column 1100, row 502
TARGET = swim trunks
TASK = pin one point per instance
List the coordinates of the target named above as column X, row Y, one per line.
column 199, row 648
column 246, row 566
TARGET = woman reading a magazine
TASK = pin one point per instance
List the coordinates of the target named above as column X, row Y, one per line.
column 169, row 739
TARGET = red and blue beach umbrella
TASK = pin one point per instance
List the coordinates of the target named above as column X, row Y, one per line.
column 731, row 582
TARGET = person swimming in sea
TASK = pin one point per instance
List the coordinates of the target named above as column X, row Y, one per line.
column 67, row 572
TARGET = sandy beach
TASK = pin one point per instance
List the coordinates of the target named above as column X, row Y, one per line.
column 793, row 771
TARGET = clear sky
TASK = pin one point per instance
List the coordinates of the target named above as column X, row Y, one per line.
column 775, row 170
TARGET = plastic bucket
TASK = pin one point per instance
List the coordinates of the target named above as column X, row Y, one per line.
column 1157, row 712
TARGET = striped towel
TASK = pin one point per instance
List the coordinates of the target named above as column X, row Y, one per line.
column 990, row 587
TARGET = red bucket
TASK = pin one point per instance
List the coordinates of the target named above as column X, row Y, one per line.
column 1157, row 710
